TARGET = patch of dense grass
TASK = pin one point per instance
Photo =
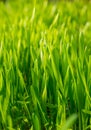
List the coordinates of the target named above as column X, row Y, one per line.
column 45, row 66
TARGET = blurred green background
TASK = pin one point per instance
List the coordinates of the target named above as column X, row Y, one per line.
column 49, row 0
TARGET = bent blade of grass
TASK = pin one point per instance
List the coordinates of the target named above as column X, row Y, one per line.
column 86, row 112
column 88, row 127
column 69, row 122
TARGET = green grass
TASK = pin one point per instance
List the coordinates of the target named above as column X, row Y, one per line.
column 45, row 66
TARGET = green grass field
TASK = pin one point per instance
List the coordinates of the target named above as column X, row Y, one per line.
column 45, row 65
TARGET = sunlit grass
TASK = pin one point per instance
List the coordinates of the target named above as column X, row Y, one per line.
column 45, row 66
